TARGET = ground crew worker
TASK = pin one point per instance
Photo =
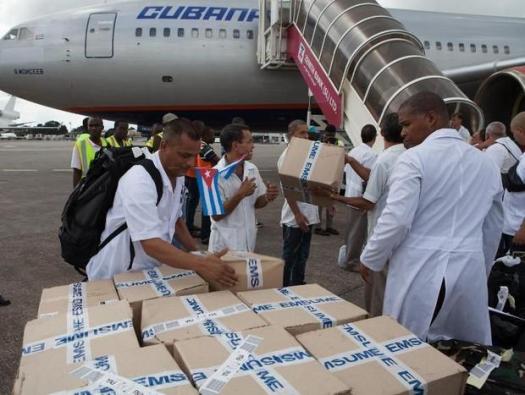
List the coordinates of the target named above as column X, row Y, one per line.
column 85, row 149
column 84, row 133
column 156, row 137
column 119, row 138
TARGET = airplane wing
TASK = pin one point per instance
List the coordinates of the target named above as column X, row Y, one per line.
column 481, row 71
column 20, row 124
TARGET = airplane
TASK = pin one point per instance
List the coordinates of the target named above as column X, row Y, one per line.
column 8, row 114
column 8, row 136
column 136, row 60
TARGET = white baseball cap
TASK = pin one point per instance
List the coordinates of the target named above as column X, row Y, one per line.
column 167, row 118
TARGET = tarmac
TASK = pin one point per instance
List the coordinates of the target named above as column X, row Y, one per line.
column 35, row 182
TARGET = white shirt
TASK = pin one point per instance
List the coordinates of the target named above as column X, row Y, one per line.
column 366, row 157
column 76, row 163
column 442, row 221
column 237, row 231
column 135, row 204
column 504, row 152
column 464, row 133
column 520, row 170
column 310, row 211
column 379, row 182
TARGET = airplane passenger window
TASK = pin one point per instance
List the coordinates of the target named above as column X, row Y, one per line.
column 25, row 34
column 472, row 47
column 153, row 32
column 438, row 45
column 11, row 35
column 208, row 33
column 450, row 46
column 138, row 32
column 167, row 32
column 222, row 33
column 484, row 48
column 506, row 49
column 495, row 49
column 236, row 33
column 427, row 44
column 194, row 33
column 461, row 47
column 180, row 32
column 249, row 34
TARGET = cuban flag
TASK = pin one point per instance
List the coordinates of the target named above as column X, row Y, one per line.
column 208, row 182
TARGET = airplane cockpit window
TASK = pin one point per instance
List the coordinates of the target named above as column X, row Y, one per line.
column 495, row 49
column 222, row 33
column 153, row 32
column 138, row 32
column 180, row 32
column 473, row 48
column 11, row 35
column 506, row 49
column 166, row 32
column 484, row 48
column 450, row 46
column 461, row 47
column 438, row 45
column 427, row 44
column 25, row 34
column 236, row 33
column 208, row 33
column 194, row 33
column 249, row 34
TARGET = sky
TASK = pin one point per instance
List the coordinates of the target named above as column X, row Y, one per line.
column 13, row 12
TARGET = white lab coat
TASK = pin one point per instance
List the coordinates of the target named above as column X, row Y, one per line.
column 442, row 220
column 237, row 231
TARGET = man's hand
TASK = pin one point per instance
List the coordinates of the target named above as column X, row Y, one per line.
column 302, row 222
column 271, row 192
column 519, row 237
column 365, row 273
column 248, row 187
column 213, row 269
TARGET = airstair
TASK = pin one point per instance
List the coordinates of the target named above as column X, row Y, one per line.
column 359, row 61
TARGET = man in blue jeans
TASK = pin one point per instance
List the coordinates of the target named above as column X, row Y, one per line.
column 297, row 220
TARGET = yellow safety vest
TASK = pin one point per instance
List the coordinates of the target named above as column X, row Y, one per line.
column 149, row 143
column 112, row 142
column 82, row 136
column 87, row 153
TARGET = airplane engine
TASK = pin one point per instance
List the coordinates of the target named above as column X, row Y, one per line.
column 502, row 95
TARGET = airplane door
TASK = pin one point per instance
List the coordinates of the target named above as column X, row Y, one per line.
column 99, row 35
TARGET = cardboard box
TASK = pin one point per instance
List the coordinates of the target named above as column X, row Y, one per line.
column 67, row 298
column 310, row 165
column 135, row 287
column 379, row 356
column 302, row 308
column 68, row 338
column 257, row 362
column 255, row 271
column 151, row 368
column 177, row 318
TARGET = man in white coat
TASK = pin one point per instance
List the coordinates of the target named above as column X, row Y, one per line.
column 439, row 245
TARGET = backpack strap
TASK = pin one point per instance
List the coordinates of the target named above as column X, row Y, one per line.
column 152, row 170
column 508, row 149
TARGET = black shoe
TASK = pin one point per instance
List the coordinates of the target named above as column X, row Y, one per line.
column 332, row 231
column 4, row 302
column 322, row 232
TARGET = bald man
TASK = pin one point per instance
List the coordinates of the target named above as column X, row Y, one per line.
column 85, row 149
column 440, row 247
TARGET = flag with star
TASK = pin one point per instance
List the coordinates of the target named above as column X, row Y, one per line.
column 208, row 182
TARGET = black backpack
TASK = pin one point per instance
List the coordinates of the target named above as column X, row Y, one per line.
column 84, row 214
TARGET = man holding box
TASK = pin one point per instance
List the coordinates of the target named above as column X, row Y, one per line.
column 145, row 242
column 242, row 193
column 297, row 220
column 439, row 246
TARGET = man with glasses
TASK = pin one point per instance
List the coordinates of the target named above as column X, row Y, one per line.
column 85, row 149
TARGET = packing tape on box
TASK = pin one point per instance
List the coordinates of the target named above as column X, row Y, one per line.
column 306, row 171
column 105, row 382
column 77, row 341
column 158, row 282
column 382, row 353
column 308, row 304
column 260, row 367
column 199, row 315
column 77, row 322
column 254, row 270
